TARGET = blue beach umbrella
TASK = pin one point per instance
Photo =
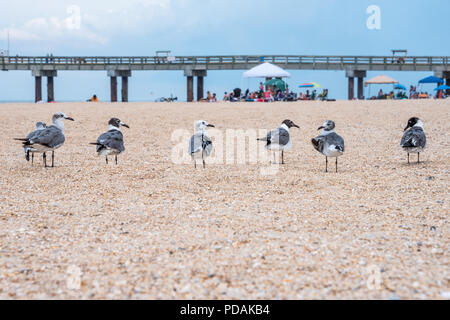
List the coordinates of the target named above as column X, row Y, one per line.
column 443, row 87
column 399, row 87
column 431, row 79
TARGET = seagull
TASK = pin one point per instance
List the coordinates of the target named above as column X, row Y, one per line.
column 200, row 145
column 329, row 143
column 39, row 126
column 414, row 139
column 48, row 139
column 111, row 142
column 279, row 139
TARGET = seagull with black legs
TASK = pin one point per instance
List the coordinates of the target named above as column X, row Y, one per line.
column 111, row 142
column 200, row 145
column 39, row 126
column 329, row 143
column 48, row 139
column 414, row 139
column 279, row 139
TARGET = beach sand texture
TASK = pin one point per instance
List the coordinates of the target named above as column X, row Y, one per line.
column 152, row 229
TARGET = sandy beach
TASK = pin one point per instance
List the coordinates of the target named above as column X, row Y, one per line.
column 152, row 229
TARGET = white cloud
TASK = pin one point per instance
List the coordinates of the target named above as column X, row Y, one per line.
column 67, row 28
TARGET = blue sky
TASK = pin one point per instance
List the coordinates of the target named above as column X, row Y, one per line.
column 206, row 27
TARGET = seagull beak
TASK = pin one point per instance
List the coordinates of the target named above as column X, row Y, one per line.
column 296, row 126
column 406, row 127
column 211, row 125
column 69, row 118
column 321, row 127
column 125, row 125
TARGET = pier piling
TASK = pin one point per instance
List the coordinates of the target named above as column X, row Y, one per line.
column 38, row 88
column 50, row 90
column 190, row 88
column 124, row 74
column 113, row 89
column 199, row 72
column 38, row 74
column 124, row 89
column 200, row 88
column 351, row 75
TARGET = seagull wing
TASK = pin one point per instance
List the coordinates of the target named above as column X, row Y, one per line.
column 318, row 143
column 200, row 142
column 278, row 136
column 413, row 138
column 51, row 137
column 112, row 139
column 333, row 139
column 207, row 145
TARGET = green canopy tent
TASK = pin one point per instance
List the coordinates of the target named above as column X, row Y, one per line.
column 280, row 84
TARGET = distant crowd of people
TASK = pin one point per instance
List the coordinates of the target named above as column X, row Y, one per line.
column 272, row 93
column 209, row 97
column 413, row 94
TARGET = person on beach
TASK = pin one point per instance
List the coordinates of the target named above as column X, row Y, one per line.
column 380, row 94
column 268, row 96
column 93, row 98
column 208, row 97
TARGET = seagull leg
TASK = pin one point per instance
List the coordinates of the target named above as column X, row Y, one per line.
column 53, row 159
column 106, row 157
column 418, row 157
column 326, row 164
column 282, row 157
column 116, row 159
column 408, row 158
column 274, row 159
column 336, row 164
column 203, row 160
column 32, row 158
column 44, row 159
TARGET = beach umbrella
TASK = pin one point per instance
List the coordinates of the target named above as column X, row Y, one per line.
column 266, row 70
column 379, row 80
column 431, row 79
column 443, row 87
column 399, row 87
column 310, row 85
column 280, row 84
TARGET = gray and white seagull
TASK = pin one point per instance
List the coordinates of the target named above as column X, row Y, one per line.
column 279, row 139
column 111, row 142
column 48, row 139
column 414, row 139
column 329, row 143
column 39, row 126
column 200, row 145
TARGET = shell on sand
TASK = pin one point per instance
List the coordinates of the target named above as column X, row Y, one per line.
column 150, row 228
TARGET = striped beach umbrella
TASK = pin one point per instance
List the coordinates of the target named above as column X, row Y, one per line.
column 310, row 85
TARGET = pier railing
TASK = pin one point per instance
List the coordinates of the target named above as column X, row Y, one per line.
column 328, row 62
